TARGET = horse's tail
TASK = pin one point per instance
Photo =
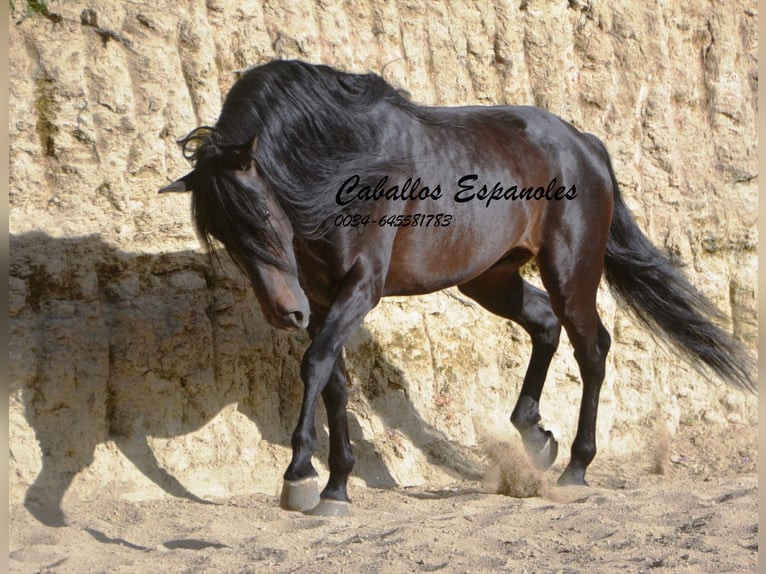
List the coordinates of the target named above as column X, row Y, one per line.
column 658, row 293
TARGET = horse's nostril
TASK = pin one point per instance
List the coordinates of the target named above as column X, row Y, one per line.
column 295, row 319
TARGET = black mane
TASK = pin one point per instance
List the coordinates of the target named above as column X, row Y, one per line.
column 313, row 124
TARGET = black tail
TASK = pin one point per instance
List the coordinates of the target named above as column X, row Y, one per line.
column 657, row 292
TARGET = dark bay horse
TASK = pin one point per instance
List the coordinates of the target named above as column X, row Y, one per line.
column 331, row 190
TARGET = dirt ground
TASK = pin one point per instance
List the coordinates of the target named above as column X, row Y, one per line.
column 690, row 506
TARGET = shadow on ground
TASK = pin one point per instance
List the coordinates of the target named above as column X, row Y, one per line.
column 114, row 346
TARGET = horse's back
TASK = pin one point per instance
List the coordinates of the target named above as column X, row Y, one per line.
column 515, row 179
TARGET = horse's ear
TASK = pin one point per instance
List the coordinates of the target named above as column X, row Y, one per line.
column 178, row 186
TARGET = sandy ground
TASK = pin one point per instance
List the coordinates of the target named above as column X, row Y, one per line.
column 690, row 507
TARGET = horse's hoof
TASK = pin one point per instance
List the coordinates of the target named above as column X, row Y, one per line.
column 572, row 478
column 544, row 458
column 300, row 495
column 328, row 507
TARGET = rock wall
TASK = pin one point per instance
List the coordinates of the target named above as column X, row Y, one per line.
column 138, row 369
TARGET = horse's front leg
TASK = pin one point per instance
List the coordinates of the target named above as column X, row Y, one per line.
column 322, row 373
column 334, row 499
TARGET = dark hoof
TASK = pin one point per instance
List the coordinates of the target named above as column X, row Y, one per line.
column 572, row 478
column 300, row 495
column 328, row 507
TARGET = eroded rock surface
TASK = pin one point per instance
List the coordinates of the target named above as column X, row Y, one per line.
column 139, row 369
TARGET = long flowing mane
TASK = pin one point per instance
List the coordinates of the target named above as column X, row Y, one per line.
column 311, row 123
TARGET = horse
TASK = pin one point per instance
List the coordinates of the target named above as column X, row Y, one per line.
column 331, row 190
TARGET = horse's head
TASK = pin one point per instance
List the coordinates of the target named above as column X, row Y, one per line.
column 232, row 203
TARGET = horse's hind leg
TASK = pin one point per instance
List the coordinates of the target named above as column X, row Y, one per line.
column 572, row 291
column 502, row 291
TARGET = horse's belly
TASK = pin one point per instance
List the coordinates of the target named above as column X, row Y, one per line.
column 427, row 259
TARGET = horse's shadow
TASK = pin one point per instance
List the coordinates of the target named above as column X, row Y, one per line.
column 105, row 346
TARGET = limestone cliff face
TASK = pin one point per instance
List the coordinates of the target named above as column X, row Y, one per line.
column 137, row 368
